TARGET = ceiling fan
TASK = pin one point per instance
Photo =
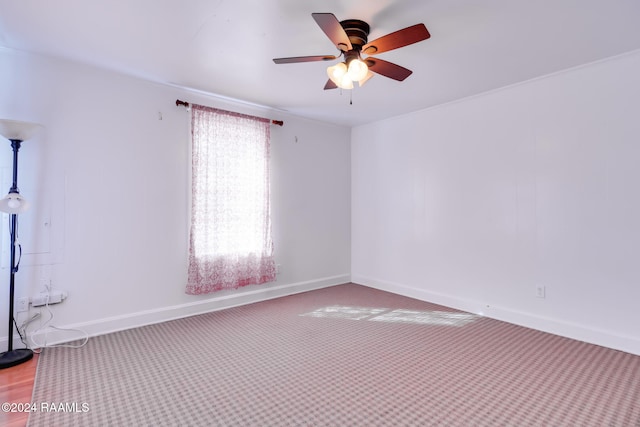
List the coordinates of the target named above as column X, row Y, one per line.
column 350, row 37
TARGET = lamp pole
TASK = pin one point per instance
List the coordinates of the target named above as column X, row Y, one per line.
column 13, row 204
column 13, row 357
column 15, row 144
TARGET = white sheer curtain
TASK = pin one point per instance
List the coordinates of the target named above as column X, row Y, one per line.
column 230, row 243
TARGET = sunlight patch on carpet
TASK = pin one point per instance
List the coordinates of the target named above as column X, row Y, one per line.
column 430, row 317
column 345, row 312
column 442, row 318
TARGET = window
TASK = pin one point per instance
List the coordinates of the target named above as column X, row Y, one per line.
column 230, row 238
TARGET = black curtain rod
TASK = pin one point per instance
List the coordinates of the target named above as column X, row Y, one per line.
column 186, row 104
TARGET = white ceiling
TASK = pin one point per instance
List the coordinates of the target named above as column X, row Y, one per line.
column 226, row 47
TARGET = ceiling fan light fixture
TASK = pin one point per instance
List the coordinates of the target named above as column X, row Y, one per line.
column 357, row 70
column 337, row 72
column 344, row 75
column 340, row 76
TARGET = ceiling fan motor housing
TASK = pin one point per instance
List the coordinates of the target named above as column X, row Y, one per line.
column 357, row 31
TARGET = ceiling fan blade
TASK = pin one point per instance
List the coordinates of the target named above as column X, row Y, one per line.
column 388, row 69
column 330, row 85
column 415, row 33
column 295, row 59
column 332, row 28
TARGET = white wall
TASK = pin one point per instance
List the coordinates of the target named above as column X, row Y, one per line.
column 109, row 178
column 476, row 203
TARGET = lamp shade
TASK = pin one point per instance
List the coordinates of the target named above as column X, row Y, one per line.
column 14, row 203
column 16, row 130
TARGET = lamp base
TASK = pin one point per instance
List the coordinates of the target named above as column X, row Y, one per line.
column 15, row 357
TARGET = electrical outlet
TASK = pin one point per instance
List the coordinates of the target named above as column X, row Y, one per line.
column 278, row 268
column 23, row 305
column 540, row 291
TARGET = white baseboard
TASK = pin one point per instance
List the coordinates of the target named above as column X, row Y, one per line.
column 546, row 324
column 224, row 300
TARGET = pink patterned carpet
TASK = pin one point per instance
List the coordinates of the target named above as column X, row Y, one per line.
column 342, row 356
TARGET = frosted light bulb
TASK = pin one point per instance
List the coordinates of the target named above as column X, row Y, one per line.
column 13, row 203
column 345, row 82
column 337, row 72
column 357, row 70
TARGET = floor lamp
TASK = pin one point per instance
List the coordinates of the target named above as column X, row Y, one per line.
column 14, row 204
